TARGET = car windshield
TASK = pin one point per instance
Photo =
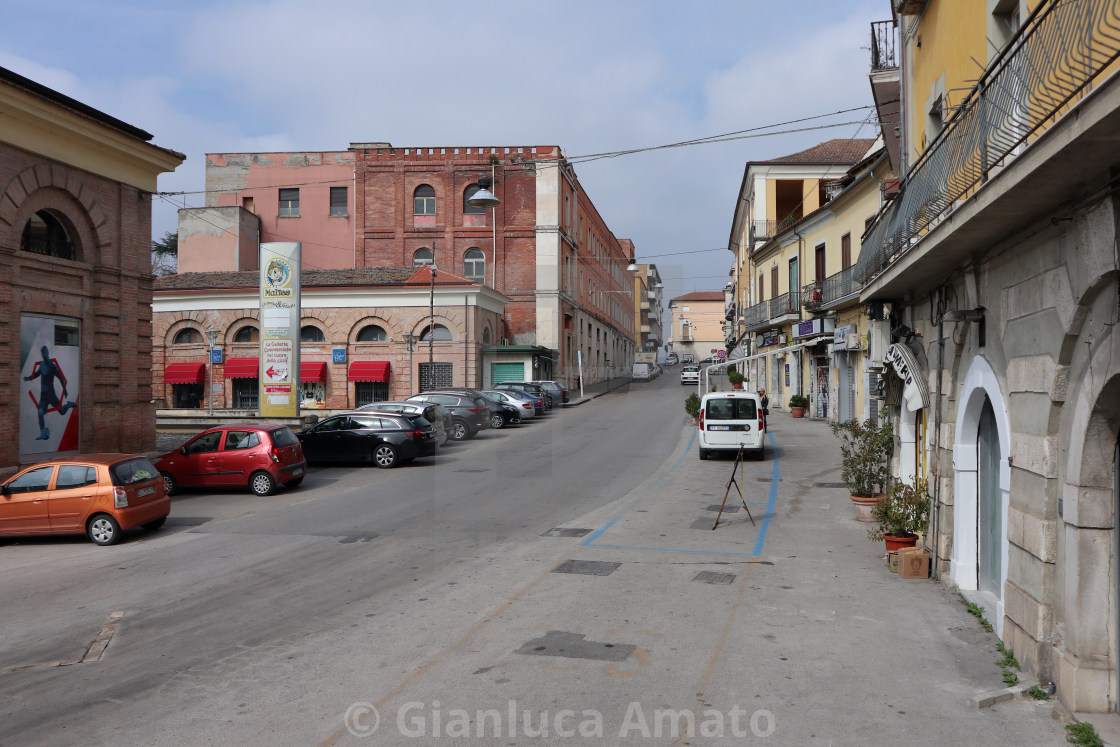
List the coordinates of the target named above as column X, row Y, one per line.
column 132, row 471
column 731, row 409
column 283, row 437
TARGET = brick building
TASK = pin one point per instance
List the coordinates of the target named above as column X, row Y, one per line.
column 544, row 247
column 76, row 287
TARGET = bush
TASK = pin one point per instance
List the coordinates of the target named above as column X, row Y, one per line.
column 865, row 450
column 734, row 376
column 799, row 400
column 692, row 405
column 904, row 510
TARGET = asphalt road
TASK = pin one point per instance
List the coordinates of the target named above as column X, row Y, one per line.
column 235, row 583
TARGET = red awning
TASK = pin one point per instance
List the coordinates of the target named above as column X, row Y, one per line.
column 312, row 371
column 183, row 373
column 369, row 371
column 242, row 368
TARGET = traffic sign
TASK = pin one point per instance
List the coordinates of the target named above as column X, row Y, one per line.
column 721, row 354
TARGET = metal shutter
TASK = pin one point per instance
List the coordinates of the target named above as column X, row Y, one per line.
column 500, row 372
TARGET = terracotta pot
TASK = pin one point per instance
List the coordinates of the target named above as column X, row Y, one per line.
column 736, row 385
column 897, row 543
column 864, row 504
column 797, row 412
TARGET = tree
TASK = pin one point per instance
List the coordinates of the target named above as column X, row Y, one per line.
column 165, row 255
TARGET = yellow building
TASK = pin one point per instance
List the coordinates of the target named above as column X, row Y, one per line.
column 696, row 324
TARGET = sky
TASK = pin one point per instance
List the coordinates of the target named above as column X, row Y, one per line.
column 592, row 76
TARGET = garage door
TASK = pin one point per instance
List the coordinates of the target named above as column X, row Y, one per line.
column 500, row 372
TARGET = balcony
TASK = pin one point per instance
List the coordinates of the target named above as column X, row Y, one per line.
column 784, row 308
column 812, row 295
column 757, row 316
column 840, row 287
column 1046, row 70
column 761, row 230
column 883, row 46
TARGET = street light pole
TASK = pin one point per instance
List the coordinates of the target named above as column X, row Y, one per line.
column 431, row 326
column 211, row 335
column 410, row 344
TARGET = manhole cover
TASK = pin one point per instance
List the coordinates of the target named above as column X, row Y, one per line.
column 575, row 646
column 566, row 532
column 830, row 484
column 587, row 567
column 711, row 577
column 473, row 469
column 726, row 509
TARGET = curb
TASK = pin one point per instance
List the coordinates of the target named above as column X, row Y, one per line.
column 990, row 698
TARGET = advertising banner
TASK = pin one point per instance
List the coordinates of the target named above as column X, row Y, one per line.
column 280, row 320
column 49, row 385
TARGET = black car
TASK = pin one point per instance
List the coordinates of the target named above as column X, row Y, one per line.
column 500, row 412
column 549, row 398
column 381, row 439
column 469, row 414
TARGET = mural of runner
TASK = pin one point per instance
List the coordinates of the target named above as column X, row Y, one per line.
column 51, row 382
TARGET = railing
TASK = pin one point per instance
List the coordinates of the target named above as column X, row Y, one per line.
column 783, row 305
column 812, row 295
column 58, row 248
column 757, row 315
column 840, row 285
column 1053, row 60
column 764, row 229
column 883, row 46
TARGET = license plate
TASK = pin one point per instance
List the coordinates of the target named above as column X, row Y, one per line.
column 719, row 427
column 145, row 491
column 297, row 472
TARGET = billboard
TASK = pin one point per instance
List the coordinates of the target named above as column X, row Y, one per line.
column 280, row 318
column 49, row 385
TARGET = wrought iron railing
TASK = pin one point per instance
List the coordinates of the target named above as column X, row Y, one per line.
column 883, row 46
column 58, row 248
column 784, row 304
column 1053, row 60
column 757, row 315
column 812, row 295
column 765, row 229
column 840, row 285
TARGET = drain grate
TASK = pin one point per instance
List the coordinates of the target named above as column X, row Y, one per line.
column 830, row 485
column 566, row 532
column 726, row 509
column 575, row 646
column 587, row 567
column 711, row 577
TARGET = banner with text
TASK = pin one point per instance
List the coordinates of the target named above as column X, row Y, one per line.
column 280, row 318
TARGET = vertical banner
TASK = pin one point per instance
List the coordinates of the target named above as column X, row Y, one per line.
column 49, row 385
column 280, row 318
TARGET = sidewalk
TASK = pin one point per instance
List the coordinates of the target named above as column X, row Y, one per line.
column 598, row 389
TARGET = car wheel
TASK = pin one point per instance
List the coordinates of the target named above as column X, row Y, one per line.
column 169, row 485
column 703, row 454
column 459, row 431
column 497, row 420
column 151, row 526
column 261, row 483
column 293, row 483
column 385, row 456
column 104, row 530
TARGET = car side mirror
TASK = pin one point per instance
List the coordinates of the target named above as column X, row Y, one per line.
column 5, row 490
column 183, row 450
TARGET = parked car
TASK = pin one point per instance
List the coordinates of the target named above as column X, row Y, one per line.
column 499, row 413
column 730, row 421
column 380, row 438
column 537, row 400
column 469, row 414
column 641, row 372
column 690, row 374
column 433, row 413
column 689, row 359
column 100, row 495
column 532, row 388
column 671, row 359
column 259, row 456
column 523, row 405
column 552, row 386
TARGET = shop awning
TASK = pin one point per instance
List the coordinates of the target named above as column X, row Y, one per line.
column 369, row 371
column 242, row 368
column 312, row 370
column 184, row 373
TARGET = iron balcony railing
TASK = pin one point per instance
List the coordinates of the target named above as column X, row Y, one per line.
column 765, row 229
column 883, row 46
column 812, row 295
column 1043, row 70
column 783, row 305
column 58, row 248
column 757, row 315
column 840, row 285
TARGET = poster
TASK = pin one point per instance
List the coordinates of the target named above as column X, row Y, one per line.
column 280, row 324
column 49, row 384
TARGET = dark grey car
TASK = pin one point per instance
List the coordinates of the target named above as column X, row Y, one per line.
column 469, row 414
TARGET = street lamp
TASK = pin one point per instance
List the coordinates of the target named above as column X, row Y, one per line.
column 410, row 345
column 431, row 326
column 211, row 335
column 484, row 198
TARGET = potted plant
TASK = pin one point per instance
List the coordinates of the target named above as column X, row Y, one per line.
column 901, row 515
column 692, row 406
column 797, row 405
column 735, row 377
column 865, row 451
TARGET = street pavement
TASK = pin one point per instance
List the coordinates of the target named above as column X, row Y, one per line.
column 789, row 630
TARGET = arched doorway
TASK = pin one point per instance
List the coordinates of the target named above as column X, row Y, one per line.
column 989, row 504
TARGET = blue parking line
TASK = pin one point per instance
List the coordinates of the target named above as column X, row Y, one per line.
column 770, row 504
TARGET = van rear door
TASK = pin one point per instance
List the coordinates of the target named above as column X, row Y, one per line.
column 730, row 420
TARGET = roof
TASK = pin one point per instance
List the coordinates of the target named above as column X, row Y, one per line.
column 231, row 280
column 700, row 296
column 829, row 153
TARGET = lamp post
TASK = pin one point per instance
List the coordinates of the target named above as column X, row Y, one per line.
column 484, row 198
column 211, row 336
column 410, row 345
column 431, row 325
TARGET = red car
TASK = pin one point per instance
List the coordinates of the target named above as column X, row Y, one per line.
column 260, row 456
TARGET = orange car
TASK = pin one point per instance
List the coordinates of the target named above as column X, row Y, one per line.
column 100, row 495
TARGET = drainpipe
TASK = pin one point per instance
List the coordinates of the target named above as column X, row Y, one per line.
column 936, row 492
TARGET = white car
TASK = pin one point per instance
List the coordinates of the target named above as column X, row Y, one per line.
column 690, row 375
column 671, row 359
column 730, row 421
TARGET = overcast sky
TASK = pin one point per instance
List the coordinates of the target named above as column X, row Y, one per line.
column 591, row 76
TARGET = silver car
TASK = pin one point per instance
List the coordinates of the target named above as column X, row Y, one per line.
column 525, row 408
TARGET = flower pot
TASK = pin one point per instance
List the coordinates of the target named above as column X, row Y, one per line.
column 897, row 543
column 864, row 504
column 797, row 412
column 736, row 385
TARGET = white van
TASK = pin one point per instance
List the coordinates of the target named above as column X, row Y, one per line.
column 641, row 372
column 730, row 420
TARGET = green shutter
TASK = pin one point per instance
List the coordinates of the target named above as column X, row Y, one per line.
column 500, row 372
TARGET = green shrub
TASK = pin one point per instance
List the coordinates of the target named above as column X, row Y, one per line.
column 865, row 451
column 692, row 405
column 799, row 400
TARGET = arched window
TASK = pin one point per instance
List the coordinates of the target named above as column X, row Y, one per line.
column 469, row 209
column 442, row 333
column 187, row 336
column 311, row 333
column 424, row 200
column 45, row 234
column 486, row 336
column 474, row 264
column 372, row 333
column 423, row 257
column 248, row 333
